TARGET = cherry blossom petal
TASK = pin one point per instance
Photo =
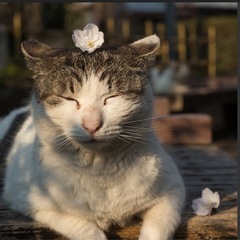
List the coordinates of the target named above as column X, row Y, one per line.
column 99, row 41
column 207, row 195
column 216, row 200
column 89, row 39
column 200, row 209
column 92, row 29
column 204, row 205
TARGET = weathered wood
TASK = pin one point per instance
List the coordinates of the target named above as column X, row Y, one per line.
column 201, row 167
column 184, row 128
column 161, row 106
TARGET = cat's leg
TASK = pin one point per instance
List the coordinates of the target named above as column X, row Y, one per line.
column 161, row 220
column 70, row 226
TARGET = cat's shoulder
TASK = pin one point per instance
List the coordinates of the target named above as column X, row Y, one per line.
column 13, row 119
column 10, row 125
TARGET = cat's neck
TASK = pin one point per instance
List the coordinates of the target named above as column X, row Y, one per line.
column 91, row 161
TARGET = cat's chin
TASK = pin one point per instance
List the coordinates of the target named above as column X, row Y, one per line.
column 91, row 144
column 98, row 144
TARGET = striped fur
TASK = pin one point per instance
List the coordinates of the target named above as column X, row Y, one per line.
column 86, row 156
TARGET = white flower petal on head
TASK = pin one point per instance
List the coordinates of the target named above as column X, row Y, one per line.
column 89, row 39
column 77, row 38
column 101, row 37
column 91, row 30
column 99, row 41
column 203, row 206
column 77, row 33
column 74, row 38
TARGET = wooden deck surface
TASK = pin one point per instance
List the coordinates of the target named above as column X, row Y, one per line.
column 201, row 167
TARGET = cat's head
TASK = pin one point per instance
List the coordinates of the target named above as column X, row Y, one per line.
column 92, row 99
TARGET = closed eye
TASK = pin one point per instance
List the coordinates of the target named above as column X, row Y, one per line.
column 71, row 99
column 110, row 97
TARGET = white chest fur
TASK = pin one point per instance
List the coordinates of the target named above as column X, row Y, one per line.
column 104, row 188
column 108, row 189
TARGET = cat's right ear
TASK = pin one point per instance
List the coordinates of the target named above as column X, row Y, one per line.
column 34, row 49
column 35, row 52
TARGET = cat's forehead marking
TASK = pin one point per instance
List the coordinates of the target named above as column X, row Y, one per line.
column 114, row 70
column 92, row 89
column 103, row 71
column 96, row 62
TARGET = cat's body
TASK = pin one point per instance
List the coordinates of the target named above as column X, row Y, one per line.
column 86, row 158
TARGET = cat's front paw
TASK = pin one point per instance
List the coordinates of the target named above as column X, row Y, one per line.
column 94, row 233
column 152, row 234
column 148, row 236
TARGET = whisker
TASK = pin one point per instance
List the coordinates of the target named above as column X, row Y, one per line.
column 8, row 140
column 138, row 139
column 123, row 139
column 128, row 139
column 139, row 130
column 35, row 148
column 64, row 143
column 146, row 119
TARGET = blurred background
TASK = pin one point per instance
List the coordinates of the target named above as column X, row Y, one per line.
column 196, row 66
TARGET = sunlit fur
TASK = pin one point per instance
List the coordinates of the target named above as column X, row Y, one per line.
column 79, row 182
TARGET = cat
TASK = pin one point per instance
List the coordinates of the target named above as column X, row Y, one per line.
column 86, row 156
column 171, row 80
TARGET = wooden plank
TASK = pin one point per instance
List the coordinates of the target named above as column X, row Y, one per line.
column 161, row 106
column 184, row 129
column 201, row 167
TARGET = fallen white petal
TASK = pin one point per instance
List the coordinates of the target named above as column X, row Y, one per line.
column 200, row 210
column 207, row 195
column 204, row 205
column 216, row 200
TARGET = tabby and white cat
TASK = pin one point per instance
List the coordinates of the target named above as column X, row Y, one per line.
column 86, row 156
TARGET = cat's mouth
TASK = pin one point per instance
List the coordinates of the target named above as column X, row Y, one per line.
column 88, row 141
column 94, row 142
column 91, row 141
column 96, row 139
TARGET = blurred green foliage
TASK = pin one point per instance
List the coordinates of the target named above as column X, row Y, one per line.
column 226, row 42
column 15, row 74
column 54, row 15
column 63, row 18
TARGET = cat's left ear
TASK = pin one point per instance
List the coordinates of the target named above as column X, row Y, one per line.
column 147, row 46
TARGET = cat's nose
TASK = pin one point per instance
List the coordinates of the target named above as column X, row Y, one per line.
column 92, row 119
column 92, row 126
